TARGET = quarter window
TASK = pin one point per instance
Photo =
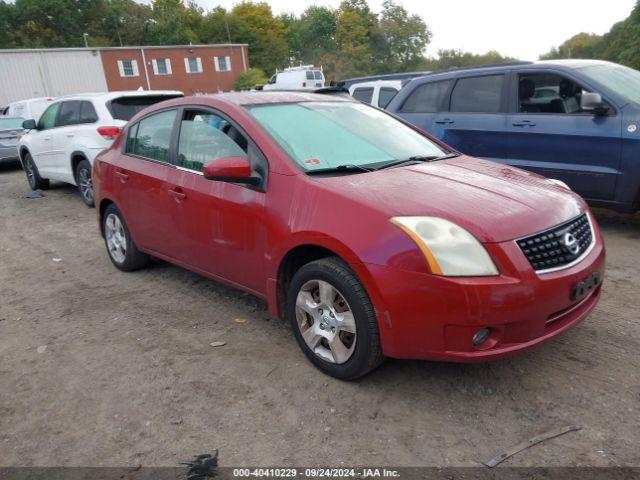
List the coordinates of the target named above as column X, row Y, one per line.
column 428, row 98
column 478, row 94
column 48, row 118
column 151, row 136
column 88, row 113
column 205, row 138
column 363, row 94
column 385, row 96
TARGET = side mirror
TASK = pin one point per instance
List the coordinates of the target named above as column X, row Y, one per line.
column 29, row 125
column 592, row 102
column 230, row 169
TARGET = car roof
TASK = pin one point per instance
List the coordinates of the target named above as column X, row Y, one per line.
column 124, row 93
column 498, row 67
column 262, row 98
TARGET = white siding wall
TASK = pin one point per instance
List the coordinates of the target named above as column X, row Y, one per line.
column 49, row 74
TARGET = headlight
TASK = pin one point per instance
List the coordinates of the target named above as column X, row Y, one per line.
column 449, row 249
column 555, row 181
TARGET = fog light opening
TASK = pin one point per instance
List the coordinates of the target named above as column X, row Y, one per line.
column 481, row 336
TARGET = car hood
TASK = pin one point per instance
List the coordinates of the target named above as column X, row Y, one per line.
column 494, row 202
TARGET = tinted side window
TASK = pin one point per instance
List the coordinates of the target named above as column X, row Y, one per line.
column 385, row 96
column 48, row 118
column 152, row 136
column 427, row 98
column 309, row 75
column 478, row 94
column 363, row 94
column 205, row 138
column 88, row 113
column 69, row 113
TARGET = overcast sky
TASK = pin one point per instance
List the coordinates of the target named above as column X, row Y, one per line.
column 519, row 29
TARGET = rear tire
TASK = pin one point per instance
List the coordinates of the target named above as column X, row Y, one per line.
column 333, row 319
column 36, row 182
column 85, row 184
column 124, row 254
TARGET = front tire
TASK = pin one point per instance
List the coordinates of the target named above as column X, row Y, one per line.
column 124, row 254
column 333, row 319
column 85, row 184
column 36, row 182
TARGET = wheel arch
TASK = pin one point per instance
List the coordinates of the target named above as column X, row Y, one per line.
column 104, row 203
column 76, row 157
column 309, row 250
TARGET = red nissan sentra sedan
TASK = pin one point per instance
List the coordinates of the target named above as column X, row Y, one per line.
column 371, row 237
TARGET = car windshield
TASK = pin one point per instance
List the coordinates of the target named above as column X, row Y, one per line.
column 620, row 79
column 10, row 123
column 320, row 135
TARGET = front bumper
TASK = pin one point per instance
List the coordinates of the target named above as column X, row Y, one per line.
column 429, row 317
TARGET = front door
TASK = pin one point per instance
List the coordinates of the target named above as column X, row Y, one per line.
column 222, row 223
column 42, row 144
column 551, row 135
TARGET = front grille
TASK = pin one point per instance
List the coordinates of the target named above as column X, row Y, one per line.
column 559, row 246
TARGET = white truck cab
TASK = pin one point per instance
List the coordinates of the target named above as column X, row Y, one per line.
column 376, row 92
column 304, row 77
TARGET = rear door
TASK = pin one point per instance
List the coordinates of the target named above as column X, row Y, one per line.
column 145, row 173
column 551, row 135
column 476, row 123
column 63, row 135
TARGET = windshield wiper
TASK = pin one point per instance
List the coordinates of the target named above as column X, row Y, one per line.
column 417, row 159
column 340, row 168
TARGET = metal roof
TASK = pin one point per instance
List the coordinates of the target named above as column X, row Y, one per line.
column 137, row 47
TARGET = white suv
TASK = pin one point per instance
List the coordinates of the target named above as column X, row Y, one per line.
column 73, row 130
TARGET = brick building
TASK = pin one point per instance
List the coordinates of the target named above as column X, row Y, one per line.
column 193, row 69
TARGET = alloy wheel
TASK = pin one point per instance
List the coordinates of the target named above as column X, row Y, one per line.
column 326, row 321
column 85, row 185
column 116, row 238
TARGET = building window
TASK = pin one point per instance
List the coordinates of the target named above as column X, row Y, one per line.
column 128, row 68
column 193, row 64
column 222, row 64
column 161, row 66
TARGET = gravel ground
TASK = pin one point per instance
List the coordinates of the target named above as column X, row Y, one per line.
column 100, row 367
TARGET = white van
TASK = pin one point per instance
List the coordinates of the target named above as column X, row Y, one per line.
column 304, row 77
column 376, row 92
column 30, row 109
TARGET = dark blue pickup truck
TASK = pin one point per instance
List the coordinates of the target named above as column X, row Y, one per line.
column 574, row 120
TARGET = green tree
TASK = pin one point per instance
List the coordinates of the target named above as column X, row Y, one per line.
column 254, row 23
column 356, row 32
column 457, row 58
column 126, row 22
column 405, row 38
column 173, row 23
column 582, row 45
column 251, row 78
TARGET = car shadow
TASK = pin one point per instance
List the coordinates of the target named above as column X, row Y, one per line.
column 618, row 222
column 9, row 166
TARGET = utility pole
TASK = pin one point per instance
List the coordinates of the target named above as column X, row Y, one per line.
column 86, row 43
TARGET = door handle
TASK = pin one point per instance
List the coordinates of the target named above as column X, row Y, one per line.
column 444, row 121
column 47, row 138
column 122, row 176
column 524, row 123
column 70, row 134
column 177, row 194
